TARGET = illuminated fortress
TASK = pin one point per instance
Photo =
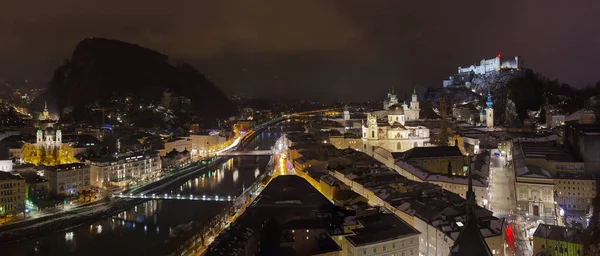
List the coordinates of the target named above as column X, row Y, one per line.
column 493, row 65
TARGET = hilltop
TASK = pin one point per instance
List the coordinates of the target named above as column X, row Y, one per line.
column 516, row 96
column 101, row 72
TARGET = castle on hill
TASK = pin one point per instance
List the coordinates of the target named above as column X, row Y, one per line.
column 465, row 75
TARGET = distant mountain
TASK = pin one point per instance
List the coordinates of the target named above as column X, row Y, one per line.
column 102, row 70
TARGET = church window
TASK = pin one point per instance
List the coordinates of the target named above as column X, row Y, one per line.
column 373, row 134
column 399, row 146
column 396, row 118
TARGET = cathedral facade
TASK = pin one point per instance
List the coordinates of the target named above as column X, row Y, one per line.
column 390, row 132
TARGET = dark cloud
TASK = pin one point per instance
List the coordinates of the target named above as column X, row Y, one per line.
column 345, row 49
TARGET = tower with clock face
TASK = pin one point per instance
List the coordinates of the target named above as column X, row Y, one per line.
column 372, row 129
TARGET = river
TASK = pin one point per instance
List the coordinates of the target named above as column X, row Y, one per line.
column 144, row 229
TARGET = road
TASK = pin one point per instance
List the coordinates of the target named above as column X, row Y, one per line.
column 503, row 202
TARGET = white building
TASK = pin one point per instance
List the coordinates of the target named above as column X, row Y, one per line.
column 6, row 165
column 120, row 170
column 67, row 178
column 412, row 112
column 392, row 134
column 493, row 65
column 48, row 139
column 204, row 145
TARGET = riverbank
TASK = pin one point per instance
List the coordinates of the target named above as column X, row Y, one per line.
column 67, row 220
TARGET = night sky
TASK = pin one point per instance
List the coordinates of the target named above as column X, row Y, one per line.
column 313, row 49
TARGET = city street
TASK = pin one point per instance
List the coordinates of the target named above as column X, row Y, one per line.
column 503, row 202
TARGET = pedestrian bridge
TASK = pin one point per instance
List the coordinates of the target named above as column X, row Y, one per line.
column 177, row 197
column 246, row 153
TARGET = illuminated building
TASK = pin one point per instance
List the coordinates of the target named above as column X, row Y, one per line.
column 207, row 144
column 557, row 240
column 393, row 134
column 48, row 149
column 549, row 177
column 6, row 165
column 493, row 65
column 67, row 178
column 489, row 110
column 12, row 194
column 122, row 169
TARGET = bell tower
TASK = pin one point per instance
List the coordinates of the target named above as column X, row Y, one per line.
column 489, row 110
column 39, row 135
column 346, row 113
column 372, row 130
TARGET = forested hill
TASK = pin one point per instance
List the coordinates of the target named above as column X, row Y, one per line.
column 101, row 70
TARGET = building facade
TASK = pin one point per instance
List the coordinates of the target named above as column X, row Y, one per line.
column 123, row 169
column 67, row 178
column 554, row 240
column 206, row 144
column 12, row 194
column 392, row 134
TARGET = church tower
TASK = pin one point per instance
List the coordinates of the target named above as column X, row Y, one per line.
column 39, row 138
column 489, row 112
column 470, row 241
column 346, row 114
column 414, row 106
column 58, row 138
column 372, row 129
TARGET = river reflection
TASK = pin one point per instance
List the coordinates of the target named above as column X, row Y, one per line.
column 145, row 228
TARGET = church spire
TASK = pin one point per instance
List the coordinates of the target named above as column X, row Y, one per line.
column 470, row 241
column 489, row 100
column 470, row 193
column 45, row 106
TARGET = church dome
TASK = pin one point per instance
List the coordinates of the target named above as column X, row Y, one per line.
column 397, row 125
column 396, row 110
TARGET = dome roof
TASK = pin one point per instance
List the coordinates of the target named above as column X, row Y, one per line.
column 396, row 110
column 397, row 125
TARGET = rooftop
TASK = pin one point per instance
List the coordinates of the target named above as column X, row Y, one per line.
column 8, row 176
column 558, row 233
column 427, row 201
column 378, row 228
column 65, row 167
column 287, row 203
column 428, row 152
column 123, row 156
column 547, row 151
